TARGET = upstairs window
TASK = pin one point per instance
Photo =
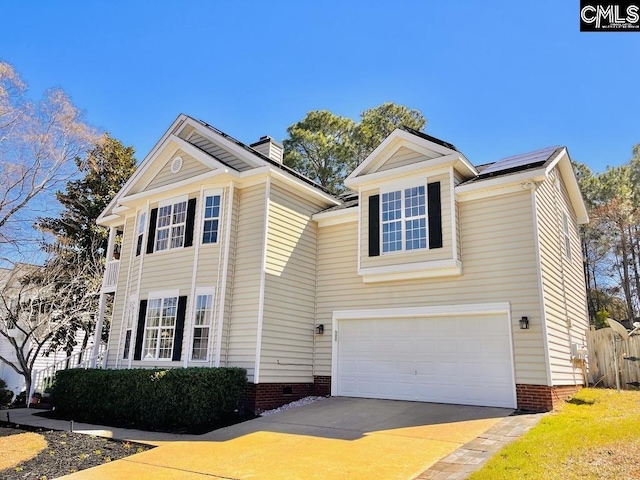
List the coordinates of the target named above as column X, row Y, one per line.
column 404, row 220
column 140, row 235
column 211, row 218
column 171, row 225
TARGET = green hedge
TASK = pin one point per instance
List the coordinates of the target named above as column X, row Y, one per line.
column 153, row 399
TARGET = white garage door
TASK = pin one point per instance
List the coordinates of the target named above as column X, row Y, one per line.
column 463, row 359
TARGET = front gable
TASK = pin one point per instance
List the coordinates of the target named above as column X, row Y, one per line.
column 407, row 217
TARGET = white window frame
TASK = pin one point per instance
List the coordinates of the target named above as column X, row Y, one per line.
column 208, row 323
column 171, row 329
column 132, row 312
column 173, row 226
column 142, row 227
column 212, row 218
column 567, row 236
column 402, row 187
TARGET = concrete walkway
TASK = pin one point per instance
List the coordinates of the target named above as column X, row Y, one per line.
column 332, row 438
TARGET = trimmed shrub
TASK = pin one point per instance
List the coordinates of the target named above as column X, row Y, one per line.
column 173, row 399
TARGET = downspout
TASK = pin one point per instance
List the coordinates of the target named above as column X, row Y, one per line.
column 143, row 255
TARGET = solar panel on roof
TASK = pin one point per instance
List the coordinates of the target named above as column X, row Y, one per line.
column 538, row 156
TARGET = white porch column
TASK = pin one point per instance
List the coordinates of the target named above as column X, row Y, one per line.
column 97, row 334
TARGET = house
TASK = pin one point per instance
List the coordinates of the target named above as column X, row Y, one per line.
column 435, row 281
column 13, row 291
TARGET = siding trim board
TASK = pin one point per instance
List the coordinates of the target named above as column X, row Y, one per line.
column 263, row 272
column 543, row 312
column 219, row 325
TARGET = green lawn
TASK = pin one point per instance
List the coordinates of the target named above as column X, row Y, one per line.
column 595, row 435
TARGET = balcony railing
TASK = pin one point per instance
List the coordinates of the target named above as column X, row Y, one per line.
column 111, row 274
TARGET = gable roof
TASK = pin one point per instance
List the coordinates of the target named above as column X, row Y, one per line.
column 432, row 150
column 208, row 146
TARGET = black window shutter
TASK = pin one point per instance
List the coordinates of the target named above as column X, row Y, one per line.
column 151, row 237
column 177, row 341
column 374, row 225
column 142, row 314
column 191, row 217
column 435, row 215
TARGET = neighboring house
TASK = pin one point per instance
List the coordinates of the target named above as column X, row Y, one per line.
column 11, row 288
column 412, row 288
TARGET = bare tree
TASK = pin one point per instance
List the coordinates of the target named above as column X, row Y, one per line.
column 39, row 142
column 40, row 303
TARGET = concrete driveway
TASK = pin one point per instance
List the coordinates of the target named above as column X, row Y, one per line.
column 343, row 438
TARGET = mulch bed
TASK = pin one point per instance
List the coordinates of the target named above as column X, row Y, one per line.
column 66, row 453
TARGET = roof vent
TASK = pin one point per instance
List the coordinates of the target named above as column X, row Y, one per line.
column 268, row 147
column 176, row 165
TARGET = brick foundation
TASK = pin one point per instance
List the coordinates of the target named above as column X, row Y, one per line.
column 542, row 398
column 259, row 397
column 322, row 385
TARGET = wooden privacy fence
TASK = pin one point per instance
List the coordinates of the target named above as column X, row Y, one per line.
column 601, row 360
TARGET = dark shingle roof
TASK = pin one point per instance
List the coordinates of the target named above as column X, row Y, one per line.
column 429, row 138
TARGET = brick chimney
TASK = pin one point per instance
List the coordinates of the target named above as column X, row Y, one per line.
column 268, row 147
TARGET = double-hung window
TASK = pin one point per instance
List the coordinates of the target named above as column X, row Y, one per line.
column 202, row 326
column 160, row 328
column 171, row 224
column 404, row 219
column 211, row 217
column 131, row 314
column 142, row 222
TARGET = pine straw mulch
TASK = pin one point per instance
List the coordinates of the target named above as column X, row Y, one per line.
column 64, row 453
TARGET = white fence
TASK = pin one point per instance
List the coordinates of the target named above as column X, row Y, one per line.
column 42, row 379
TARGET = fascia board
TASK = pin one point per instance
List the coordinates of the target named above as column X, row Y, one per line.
column 498, row 184
column 336, row 217
column 174, row 187
column 573, row 188
column 198, row 154
column 145, row 164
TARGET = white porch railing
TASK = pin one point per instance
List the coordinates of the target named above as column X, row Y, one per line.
column 111, row 274
column 42, row 379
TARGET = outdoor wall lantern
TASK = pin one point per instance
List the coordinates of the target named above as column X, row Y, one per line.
column 319, row 329
column 524, row 323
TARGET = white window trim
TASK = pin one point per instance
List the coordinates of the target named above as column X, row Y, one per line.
column 132, row 306
column 159, row 295
column 205, row 194
column 165, row 203
column 144, row 225
column 202, row 291
column 401, row 186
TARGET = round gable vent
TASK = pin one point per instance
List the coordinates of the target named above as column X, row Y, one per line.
column 176, row 164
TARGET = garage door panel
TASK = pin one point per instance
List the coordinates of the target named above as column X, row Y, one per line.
column 464, row 359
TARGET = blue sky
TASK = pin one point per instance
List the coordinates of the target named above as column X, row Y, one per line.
column 493, row 78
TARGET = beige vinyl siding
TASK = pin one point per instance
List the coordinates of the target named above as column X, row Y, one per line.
column 218, row 152
column 231, row 258
column 563, row 281
column 142, row 182
column 402, row 258
column 190, row 168
column 121, row 295
column 243, row 325
column 500, row 265
column 405, row 156
column 289, row 298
